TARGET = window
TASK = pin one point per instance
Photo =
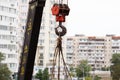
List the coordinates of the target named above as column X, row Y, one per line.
column 52, row 35
column 52, row 41
column 11, row 56
column 7, row 37
column 11, row 46
column 41, row 41
column 11, row 10
column 3, row 27
column 41, row 62
column 6, row 18
column 13, row 65
column 0, row 18
column 41, row 56
column 52, row 28
column 12, row 1
column 7, row 9
column 51, row 55
column 24, row 1
column 1, row 8
column 52, row 48
column 42, row 34
column 42, row 27
column 5, row 46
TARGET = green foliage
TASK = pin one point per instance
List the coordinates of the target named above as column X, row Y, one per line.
column 91, row 78
column 83, row 69
column 39, row 74
column 115, row 59
column 72, row 71
column 79, row 72
column 88, row 78
column 115, row 68
column 105, row 68
column 42, row 75
column 97, row 77
column 1, row 57
column 45, row 74
column 4, row 71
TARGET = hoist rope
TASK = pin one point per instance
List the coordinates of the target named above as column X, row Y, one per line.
column 60, row 1
column 58, row 52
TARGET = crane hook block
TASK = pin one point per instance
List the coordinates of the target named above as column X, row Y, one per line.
column 60, row 18
column 60, row 9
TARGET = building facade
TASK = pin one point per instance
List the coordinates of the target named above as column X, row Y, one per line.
column 8, row 32
column 96, row 50
column 22, row 15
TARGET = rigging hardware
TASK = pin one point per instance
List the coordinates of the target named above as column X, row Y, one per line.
column 60, row 11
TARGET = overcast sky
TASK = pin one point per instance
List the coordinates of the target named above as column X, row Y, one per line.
column 93, row 17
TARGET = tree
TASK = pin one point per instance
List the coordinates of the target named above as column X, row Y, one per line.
column 115, row 68
column 4, row 71
column 88, row 78
column 45, row 74
column 39, row 75
column 72, row 71
column 105, row 68
column 79, row 72
column 97, row 77
column 83, row 69
column 1, row 57
column 42, row 75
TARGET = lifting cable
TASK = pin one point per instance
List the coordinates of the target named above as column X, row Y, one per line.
column 60, row 1
column 60, row 10
column 58, row 55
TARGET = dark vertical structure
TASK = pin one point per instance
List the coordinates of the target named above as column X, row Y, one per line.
column 31, row 39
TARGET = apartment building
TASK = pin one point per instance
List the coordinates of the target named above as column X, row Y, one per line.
column 95, row 49
column 116, row 44
column 22, row 15
column 8, row 32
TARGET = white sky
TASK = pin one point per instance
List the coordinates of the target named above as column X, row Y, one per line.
column 93, row 17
